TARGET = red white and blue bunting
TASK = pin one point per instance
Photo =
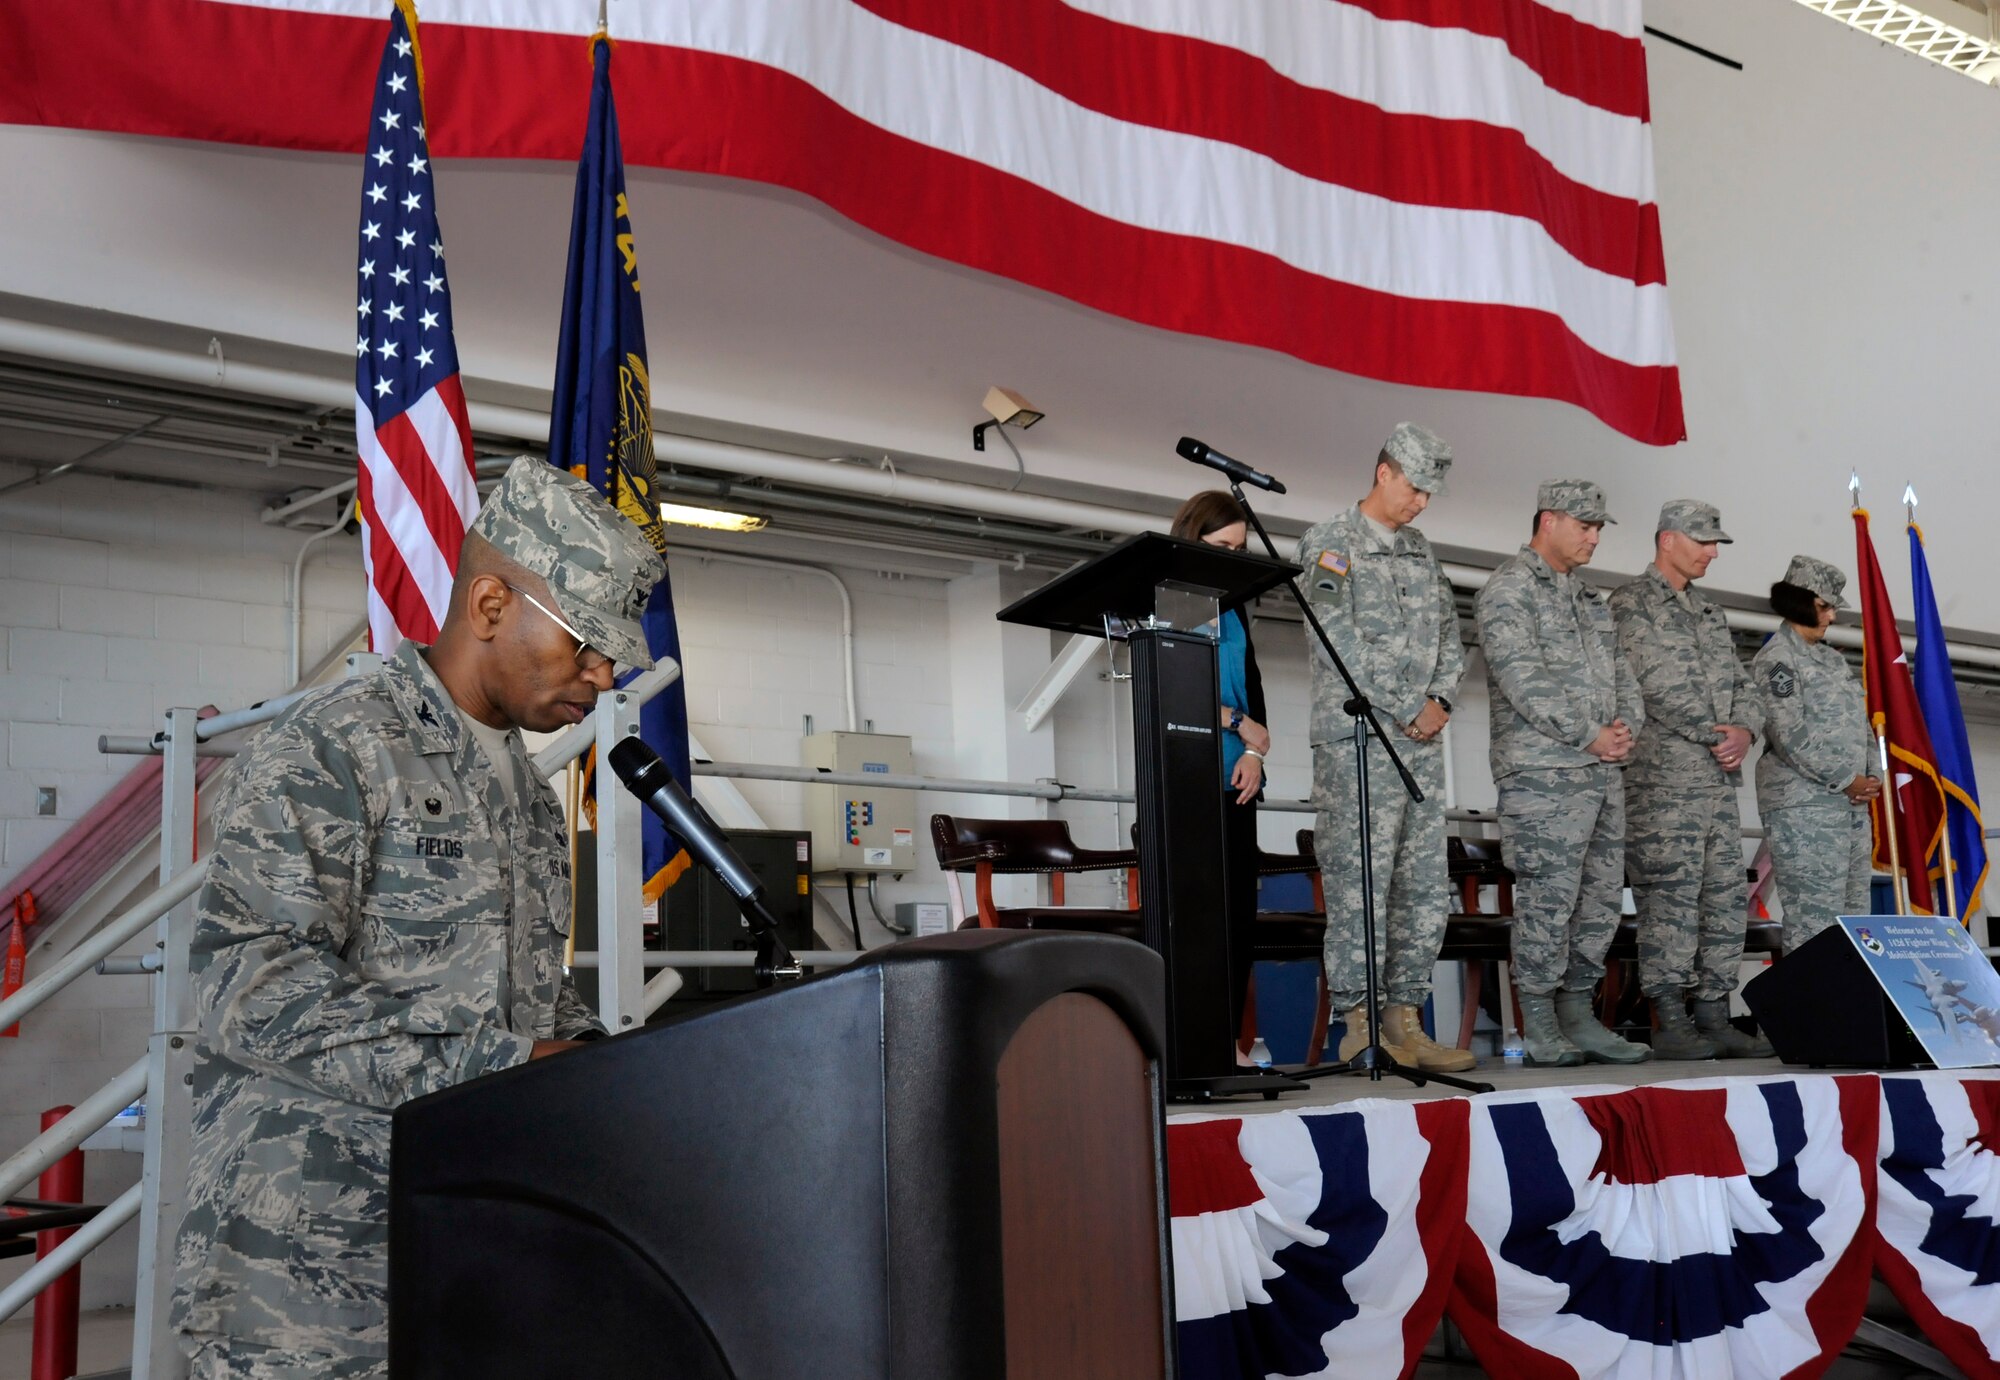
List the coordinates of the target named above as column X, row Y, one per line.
column 1938, row 1196
column 1319, row 1242
column 1723, row 1228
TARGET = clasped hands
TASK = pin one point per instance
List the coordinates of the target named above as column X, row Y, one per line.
column 1613, row 743
column 1430, row 722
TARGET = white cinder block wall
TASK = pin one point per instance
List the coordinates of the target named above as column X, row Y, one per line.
column 118, row 600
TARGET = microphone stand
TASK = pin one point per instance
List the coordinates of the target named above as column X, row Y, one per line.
column 1372, row 1059
column 774, row 957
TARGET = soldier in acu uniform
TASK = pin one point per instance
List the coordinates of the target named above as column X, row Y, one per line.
column 1813, row 782
column 1388, row 610
column 384, row 916
column 1683, row 833
column 1564, row 710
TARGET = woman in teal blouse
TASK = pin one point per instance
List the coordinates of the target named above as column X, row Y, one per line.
column 1215, row 518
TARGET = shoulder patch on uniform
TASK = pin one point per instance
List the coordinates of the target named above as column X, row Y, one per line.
column 1333, row 561
column 1784, row 681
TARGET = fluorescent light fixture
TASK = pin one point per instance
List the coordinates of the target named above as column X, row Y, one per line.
column 1914, row 31
column 687, row 515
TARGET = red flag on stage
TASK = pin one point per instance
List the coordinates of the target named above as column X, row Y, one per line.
column 1894, row 713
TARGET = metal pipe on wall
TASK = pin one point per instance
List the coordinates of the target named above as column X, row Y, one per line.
column 83, row 348
column 846, row 610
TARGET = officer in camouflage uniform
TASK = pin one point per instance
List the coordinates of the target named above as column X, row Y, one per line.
column 1564, row 710
column 385, row 916
column 1388, row 610
column 1683, row 834
column 1814, row 781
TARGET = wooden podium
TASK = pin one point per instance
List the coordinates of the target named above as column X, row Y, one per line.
column 945, row 1160
column 1177, row 749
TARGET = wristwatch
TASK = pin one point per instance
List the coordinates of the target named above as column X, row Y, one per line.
column 1442, row 703
column 1235, row 719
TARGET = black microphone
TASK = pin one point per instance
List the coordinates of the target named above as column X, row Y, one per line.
column 647, row 777
column 1201, row 454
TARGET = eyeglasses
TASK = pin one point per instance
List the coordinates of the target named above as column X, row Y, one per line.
column 587, row 656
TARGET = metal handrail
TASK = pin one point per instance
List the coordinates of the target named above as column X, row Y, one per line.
column 64, row 1257
column 568, row 745
column 114, row 936
column 215, row 725
column 724, row 958
column 575, row 740
column 136, row 745
column 89, row 1117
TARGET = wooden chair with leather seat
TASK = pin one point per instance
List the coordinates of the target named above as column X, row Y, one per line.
column 1474, row 937
column 990, row 848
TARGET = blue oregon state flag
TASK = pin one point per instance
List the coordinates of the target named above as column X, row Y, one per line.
column 1937, row 695
column 601, row 422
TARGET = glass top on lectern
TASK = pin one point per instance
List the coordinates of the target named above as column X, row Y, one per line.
column 1122, row 586
column 1181, row 607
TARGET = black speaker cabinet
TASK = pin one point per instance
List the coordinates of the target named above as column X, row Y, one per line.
column 1819, row 1005
column 946, row 1162
column 700, row 912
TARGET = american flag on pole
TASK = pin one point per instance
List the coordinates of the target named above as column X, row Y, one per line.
column 1445, row 193
column 417, row 489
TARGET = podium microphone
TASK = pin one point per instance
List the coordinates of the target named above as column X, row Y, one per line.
column 646, row 776
column 1199, row 452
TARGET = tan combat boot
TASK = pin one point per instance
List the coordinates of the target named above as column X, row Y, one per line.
column 1356, row 1038
column 1403, row 1035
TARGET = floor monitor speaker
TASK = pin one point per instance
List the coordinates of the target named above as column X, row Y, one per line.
column 1819, row 1005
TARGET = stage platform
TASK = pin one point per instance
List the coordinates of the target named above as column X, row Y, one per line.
column 1335, row 1089
column 1705, row 1220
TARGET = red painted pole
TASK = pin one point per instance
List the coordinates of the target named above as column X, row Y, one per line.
column 56, row 1306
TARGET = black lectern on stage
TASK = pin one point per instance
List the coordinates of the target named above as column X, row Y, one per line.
column 1153, row 590
column 945, row 1160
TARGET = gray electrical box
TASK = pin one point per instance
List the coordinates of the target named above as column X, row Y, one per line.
column 861, row 828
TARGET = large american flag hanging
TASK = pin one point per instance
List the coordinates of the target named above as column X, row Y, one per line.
column 1449, row 193
column 418, row 492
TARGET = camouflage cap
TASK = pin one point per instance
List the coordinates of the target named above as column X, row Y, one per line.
column 1580, row 498
column 1422, row 453
column 597, row 564
column 1816, row 575
column 1701, row 521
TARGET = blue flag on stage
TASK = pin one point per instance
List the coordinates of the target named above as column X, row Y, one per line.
column 1937, row 693
column 601, row 422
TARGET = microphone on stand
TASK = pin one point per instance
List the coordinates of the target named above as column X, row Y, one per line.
column 1201, row 454
column 647, row 777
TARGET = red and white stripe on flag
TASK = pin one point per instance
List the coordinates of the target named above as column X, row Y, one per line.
column 1447, row 193
column 417, row 490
